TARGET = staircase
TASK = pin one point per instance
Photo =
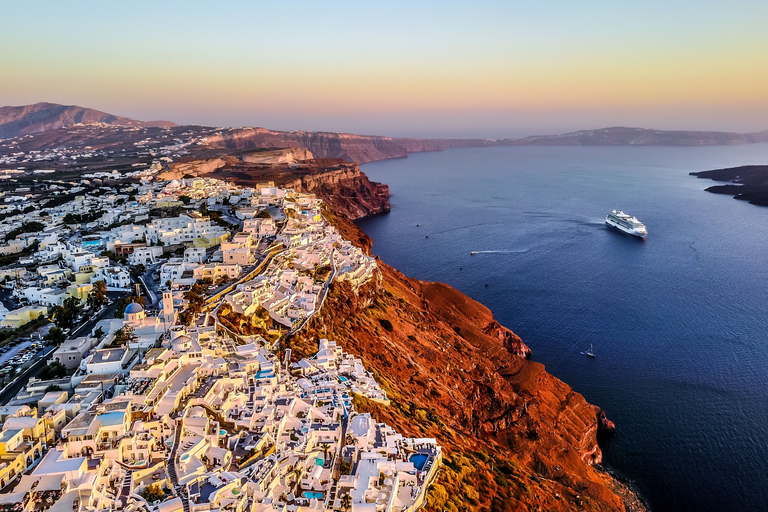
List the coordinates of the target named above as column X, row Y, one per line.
column 171, row 465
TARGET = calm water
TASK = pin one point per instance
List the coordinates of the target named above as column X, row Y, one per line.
column 679, row 322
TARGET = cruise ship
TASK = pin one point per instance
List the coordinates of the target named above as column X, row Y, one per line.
column 625, row 223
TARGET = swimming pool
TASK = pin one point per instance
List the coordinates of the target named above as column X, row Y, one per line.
column 310, row 495
column 342, row 378
column 419, row 459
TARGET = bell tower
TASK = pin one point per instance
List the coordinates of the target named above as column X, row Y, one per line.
column 169, row 315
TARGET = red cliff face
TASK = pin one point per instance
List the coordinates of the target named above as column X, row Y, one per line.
column 516, row 437
column 341, row 184
column 353, row 148
column 346, row 189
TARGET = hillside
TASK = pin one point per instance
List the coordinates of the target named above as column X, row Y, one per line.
column 44, row 117
column 516, row 438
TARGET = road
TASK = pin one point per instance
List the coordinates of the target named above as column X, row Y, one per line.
column 150, row 284
column 11, row 391
column 107, row 311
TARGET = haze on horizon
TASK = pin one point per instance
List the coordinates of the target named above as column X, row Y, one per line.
column 427, row 69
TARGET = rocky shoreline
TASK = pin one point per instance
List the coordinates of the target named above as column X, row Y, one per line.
column 747, row 183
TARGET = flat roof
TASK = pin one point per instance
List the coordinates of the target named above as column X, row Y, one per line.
column 53, row 463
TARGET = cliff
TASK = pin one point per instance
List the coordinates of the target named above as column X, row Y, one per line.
column 339, row 183
column 347, row 146
column 748, row 182
column 43, row 117
column 516, row 437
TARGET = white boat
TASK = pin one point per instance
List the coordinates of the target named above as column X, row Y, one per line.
column 589, row 352
column 623, row 222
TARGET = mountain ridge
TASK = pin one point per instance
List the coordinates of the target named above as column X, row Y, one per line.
column 44, row 118
column 16, row 121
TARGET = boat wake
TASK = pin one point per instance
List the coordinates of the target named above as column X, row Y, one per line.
column 518, row 251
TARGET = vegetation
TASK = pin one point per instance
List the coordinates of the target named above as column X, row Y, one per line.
column 7, row 259
column 82, row 218
column 27, row 227
column 53, row 387
column 195, row 297
column 263, row 214
column 55, row 336
column 185, row 199
column 55, row 370
column 64, row 316
column 123, row 336
column 257, row 323
column 153, row 492
column 98, row 296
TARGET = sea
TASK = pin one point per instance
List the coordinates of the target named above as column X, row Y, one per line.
column 678, row 322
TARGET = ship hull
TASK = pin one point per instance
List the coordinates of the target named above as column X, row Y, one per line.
column 639, row 234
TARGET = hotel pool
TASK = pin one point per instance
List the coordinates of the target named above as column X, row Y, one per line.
column 222, row 432
column 342, row 378
column 310, row 495
column 419, row 459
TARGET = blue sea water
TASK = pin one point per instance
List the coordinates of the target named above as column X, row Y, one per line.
column 678, row 322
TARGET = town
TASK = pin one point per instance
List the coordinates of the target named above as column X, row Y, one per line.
column 140, row 354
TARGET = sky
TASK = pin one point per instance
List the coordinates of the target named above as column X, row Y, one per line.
column 424, row 69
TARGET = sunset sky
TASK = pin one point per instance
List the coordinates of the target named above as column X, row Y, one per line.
column 481, row 69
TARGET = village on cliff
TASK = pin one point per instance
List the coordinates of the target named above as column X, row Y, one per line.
column 152, row 314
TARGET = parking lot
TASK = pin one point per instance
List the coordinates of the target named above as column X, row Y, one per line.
column 19, row 355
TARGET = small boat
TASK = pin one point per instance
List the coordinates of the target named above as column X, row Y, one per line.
column 473, row 253
column 589, row 353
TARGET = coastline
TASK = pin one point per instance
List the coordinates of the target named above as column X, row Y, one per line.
column 449, row 304
column 454, row 373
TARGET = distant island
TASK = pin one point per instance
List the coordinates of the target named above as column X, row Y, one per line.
column 748, row 182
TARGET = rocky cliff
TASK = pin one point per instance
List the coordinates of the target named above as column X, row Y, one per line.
column 43, row 117
column 339, row 183
column 748, row 182
column 346, row 189
column 353, row 148
column 516, row 437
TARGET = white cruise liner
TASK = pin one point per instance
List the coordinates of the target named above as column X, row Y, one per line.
column 625, row 223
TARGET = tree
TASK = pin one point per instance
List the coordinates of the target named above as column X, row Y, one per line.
column 346, row 501
column 55, row 335
column 195, row 297
column 26, row 227
column 152, row 493
column 65, row 315
column 297, row 477
column 99, row 333
column 263, row 214
column 185, row 199
column 98, row 296
column 55, row 370
column 52, row 387
column 124, row 335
